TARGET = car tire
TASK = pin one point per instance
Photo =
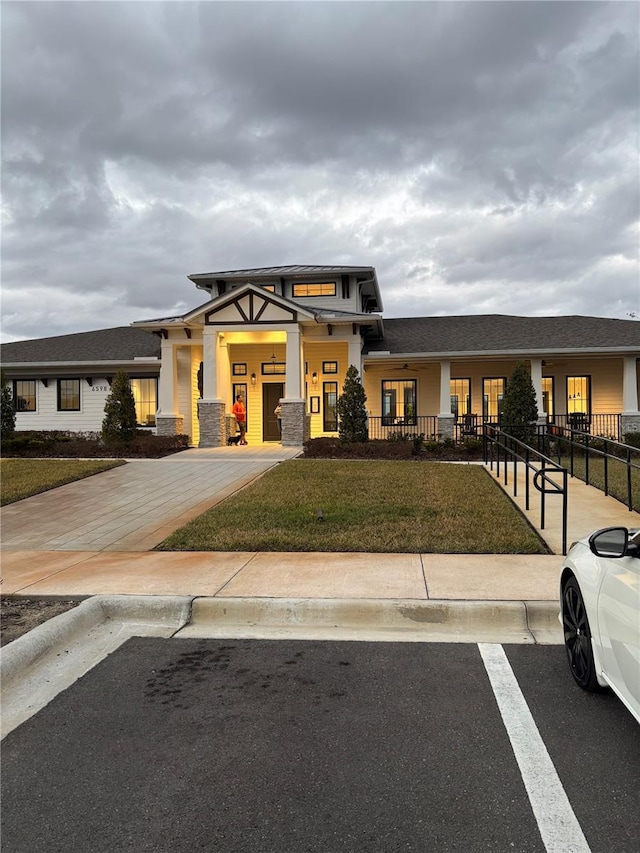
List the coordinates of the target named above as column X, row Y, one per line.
column 577, row 637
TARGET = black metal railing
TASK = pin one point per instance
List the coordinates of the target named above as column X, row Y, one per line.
column 499, row 449
column 605, row 425
column 389, row 428
column 608, row 465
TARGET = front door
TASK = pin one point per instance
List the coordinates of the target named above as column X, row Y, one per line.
column 271, row 393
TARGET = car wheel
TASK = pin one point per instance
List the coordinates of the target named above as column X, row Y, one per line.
column 577, row 637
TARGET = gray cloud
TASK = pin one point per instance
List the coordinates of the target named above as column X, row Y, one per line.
column 483, row 156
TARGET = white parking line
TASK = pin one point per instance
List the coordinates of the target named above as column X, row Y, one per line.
column 558, row 825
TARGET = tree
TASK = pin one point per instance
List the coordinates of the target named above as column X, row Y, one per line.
column 519, row 406
column 120, row 419
column 8, row 412
column 352, row 414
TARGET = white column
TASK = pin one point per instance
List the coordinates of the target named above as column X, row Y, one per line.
column 630, row 386
column 209, row 364
column 293, row 386
column 223, row 371
column 536, row 381
column 168, row 385
column 445, row 389
column 355, row 352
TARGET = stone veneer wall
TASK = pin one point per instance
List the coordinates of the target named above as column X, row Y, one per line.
column 212, row 424
column 629, row 423
column 445, row 427
column 294, row 424
column 169, row 425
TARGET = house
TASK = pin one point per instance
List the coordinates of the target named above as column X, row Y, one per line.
column 289, row 333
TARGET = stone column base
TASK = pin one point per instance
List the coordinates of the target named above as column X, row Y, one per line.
column 169, row 424
column 212, row 424
column 446, row 424
column 293, row 423
column 629, row 423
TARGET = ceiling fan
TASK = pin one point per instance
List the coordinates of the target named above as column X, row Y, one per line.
column 406, row 366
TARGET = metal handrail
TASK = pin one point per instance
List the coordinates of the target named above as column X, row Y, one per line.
column 583, row 442
column 495, row 439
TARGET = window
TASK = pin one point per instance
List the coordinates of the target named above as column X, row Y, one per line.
column 492, row 396
column 398, row 401
column 578, row 395
column 460, row 391
column 271, row 368
column 547, row 395
column 330, row 401
column 241, row 388
column 329, row 366
column 270, row 287
column 239, row 369
column 145, row 394
column 325, row 289
column 68, row 395
column 24, row 395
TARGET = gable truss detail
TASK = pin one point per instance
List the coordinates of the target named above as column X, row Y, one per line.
column 250, row 308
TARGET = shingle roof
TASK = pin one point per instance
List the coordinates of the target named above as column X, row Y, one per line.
column 266, row 272
column 120, row 344
column 499, row 332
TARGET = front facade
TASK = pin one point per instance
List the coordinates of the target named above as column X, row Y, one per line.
column 289, row 334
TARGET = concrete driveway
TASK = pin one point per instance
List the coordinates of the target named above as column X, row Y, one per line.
column 136, row 506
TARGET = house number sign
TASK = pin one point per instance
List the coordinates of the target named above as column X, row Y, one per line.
column 99, row 387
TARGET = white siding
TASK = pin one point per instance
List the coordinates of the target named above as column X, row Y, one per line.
column 47, row 416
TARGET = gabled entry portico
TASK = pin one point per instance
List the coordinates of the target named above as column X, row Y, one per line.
column 250, row 338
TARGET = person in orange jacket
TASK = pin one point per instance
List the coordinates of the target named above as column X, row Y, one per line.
column 240, row 414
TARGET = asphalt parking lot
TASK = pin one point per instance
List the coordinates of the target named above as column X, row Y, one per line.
column 296, row 746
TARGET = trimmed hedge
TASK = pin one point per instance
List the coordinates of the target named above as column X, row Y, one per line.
column 76, row 445
column 333, row 448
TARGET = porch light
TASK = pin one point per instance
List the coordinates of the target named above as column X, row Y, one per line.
column 253, row 379
column 314, row 377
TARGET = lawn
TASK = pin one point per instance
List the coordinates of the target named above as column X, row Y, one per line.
column 22, row 478
column 402, row 507
column 617, row 476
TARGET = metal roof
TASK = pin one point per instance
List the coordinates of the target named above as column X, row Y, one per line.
column 270, row 272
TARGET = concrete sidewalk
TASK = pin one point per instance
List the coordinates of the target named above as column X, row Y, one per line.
column 93, row 537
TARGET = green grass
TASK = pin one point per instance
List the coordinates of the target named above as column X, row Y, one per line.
column 22, row 478
column 402, row 507
column 616, row 475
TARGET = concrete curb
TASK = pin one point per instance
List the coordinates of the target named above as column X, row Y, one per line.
column 366, row 619
column 167, row 612
column 36, row 667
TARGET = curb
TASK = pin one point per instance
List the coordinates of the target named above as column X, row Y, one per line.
column 365, row 619
column 39, row 665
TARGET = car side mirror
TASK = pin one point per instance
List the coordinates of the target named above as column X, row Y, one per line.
column 609, row 542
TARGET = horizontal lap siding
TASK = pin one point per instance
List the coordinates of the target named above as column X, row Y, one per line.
column 253, row 355
column 606, row 382
column 47, row 416
column 314, row 355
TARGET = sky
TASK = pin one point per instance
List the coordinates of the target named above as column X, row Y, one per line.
column 483, row 156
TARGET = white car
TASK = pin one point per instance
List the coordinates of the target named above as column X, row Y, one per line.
column 600, row 613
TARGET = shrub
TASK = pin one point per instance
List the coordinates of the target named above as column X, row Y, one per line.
column 7, row 411
column 120, row 420
column 632, row 438
column 519, row 406
column 351, row 411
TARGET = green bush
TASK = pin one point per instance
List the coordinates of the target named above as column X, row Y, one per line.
column 632, row 438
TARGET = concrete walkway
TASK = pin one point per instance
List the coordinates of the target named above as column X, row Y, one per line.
column 93, row 537
column 136, row 506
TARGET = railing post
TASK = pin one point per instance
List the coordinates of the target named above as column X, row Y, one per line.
column 565, row 498
column 606, row 468
column 526, row 481
column 542, row 500
column 629, row 491
column 586, row 458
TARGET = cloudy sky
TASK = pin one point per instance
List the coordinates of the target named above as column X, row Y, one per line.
column 482, row 156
